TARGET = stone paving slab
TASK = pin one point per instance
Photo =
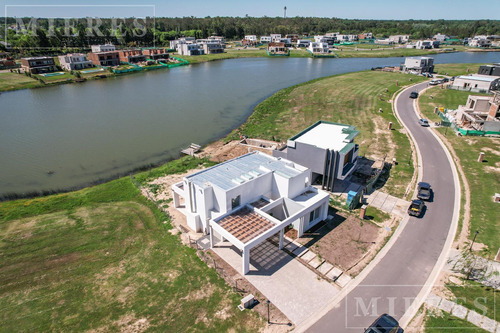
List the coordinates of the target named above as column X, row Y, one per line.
column 488, row 324
column 459, row 311
column 446, row 305
column 401, row 207
column 379, row 200
column 308, row 256
column 316, row 262
column 334, row 273
column 300, row 251
column 389, row 204
column 433, row 300
column 325, row 268
column 474, row 318
column 343, row 280
column 498, row 329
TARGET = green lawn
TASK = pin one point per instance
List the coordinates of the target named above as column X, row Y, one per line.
column 350, row 99
column 103, row 259
column 480, row 176
column 456, row 69
column 14, row 81
column 475, row 296
column 56, row 78
column 443, row 322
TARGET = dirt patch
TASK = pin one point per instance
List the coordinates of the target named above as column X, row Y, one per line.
column 346, row 242
column 62, row 260
column 220, row 151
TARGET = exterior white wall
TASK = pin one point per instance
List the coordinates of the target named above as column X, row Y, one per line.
column 266, row 39
column 103, row 48
column 464, row 83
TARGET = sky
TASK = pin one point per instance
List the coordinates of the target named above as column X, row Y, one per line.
column 352, row 9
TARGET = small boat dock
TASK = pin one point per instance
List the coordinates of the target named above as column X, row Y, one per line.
column 192, row 149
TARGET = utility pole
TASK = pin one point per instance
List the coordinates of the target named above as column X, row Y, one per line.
column 284, row 16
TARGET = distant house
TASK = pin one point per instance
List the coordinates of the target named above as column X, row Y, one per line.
column 7, row 61
column 190, row 49
column 131, row 56
column 155, row 53
column 109, row 58
column 74, row 61
column 399, row 39
column 480, row 41
column 493, row 70
column 327, row 148
column 221, row 40
column 38, row 65
column 303, row 42
column 292, row 37
column 319, row 39
column 427, row 44
column 440, row 37
column 332, row 34
column 103, row 48
column 365, row 35
column 419, row 64
column 385, row 41
column 174, row 44
column 266, row 39
column 248, row 199
column 318, row 48
column 275, row 38
column 211, row 46
column 277, row 48
column 249, row 40
column 347, row 38
column 476, row 83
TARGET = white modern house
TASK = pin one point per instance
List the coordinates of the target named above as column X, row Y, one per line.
column 327, row 148
column 251, row 38
column 319, row 39
column 103, row 48
column 399, row 39
column 250, row 198
column 74, row 61
column 476, row 83
column 419, row 64
column 266, row 39
column 190, row 49
column 275, row 38
column 318, row 48
column 303, row 42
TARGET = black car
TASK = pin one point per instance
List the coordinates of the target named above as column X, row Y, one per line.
column 384, row 324
column 416, row 208
column 413, row 94
column 424, row 191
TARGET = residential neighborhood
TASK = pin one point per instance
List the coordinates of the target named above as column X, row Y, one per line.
column 324, row 167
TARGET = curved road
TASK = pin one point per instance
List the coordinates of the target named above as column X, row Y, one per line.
column 401, row 274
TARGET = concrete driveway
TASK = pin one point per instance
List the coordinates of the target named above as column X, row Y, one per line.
column 287, row 283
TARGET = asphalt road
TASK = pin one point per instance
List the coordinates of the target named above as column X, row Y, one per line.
column 395, row 282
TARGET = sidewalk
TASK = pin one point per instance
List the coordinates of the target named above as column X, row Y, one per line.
column 463, row 313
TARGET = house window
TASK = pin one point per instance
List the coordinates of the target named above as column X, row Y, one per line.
column 235, row 202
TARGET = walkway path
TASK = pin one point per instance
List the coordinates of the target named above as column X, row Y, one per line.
column 490, row 275
column 462, row 312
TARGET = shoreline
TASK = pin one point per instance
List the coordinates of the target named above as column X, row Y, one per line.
column 254, row 53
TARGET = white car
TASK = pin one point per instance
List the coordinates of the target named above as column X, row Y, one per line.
column 423, row 122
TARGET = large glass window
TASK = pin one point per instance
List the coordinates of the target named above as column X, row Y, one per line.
column 235, row 202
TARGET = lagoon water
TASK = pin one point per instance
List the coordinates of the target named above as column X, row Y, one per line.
column 105, row 128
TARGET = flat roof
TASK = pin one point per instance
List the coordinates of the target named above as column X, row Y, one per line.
column 245, row 224
column 485, row 78
column 327, row 135
column 233, row 173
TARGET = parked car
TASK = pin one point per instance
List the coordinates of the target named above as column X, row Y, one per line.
column 423, row 122
column 424, row 191
column 416, row 208
column 384, row 324
column 435, row 82
column 413, row 94
column 445, row 80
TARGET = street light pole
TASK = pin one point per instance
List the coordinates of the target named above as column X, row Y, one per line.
column 470, row 249
column 268, row 318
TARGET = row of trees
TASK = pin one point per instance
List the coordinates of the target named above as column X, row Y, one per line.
column 57, row 33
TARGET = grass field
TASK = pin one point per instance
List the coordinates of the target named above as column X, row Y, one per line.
column 475, row 296
column 354, row 99
column 103, row 259
column 14, row 81
column 456, row 69
column 480, row 176
column 443, row 322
